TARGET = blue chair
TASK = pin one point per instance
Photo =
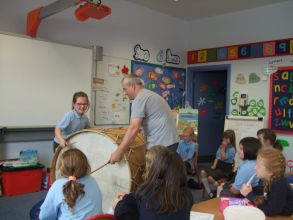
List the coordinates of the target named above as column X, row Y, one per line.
column 35, row 210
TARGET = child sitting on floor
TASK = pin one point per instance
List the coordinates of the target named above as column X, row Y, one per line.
column 76, row 194
column 223, row 164
column 248, row 149
column 187, row 147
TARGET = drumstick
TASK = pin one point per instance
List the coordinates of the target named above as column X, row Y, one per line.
column 100, row 167
column 251, row 178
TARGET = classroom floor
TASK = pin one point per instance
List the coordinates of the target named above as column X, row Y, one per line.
column 18, row 207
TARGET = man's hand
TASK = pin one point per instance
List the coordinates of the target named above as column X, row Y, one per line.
column 116, row 156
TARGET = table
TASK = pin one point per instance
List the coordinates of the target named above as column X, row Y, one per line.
column 212, row 206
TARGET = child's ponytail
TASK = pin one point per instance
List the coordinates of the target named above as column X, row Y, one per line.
column 71, row 191
column 73, row 165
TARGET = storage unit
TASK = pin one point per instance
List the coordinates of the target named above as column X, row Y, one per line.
column 23, row 180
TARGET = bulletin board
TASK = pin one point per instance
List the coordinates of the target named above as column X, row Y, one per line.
column 111, row 105
column 169, row 82
column 281, row 100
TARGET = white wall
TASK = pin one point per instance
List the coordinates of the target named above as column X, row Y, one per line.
column 259, row 24
column 44, row 148
column 117, row 33
column 128, row 25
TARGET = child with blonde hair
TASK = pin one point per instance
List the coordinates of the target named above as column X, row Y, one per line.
column 187, row 147
column 149, row 158
column 76, row 194
column 277, row 198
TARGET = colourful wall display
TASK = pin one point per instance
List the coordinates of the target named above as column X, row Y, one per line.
column 244, row 51
column 281, row 100
column 169, row 82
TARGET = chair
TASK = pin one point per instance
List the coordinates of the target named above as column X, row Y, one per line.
column 102, row 217
column 35, row 210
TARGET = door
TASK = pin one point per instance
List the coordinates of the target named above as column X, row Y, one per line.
column 209, row 97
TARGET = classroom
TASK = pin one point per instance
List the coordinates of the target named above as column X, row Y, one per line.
column 226, row 64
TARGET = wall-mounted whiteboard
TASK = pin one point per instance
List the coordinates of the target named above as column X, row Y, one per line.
column 38, row 79
column 111, row 105
column 243, row 126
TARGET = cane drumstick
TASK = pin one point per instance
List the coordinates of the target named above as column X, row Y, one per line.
column 100, row 167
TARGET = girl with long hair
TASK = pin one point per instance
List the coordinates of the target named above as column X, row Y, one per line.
column 75, row 195
column 163, row 194
column 277, row 196
column 223, row 163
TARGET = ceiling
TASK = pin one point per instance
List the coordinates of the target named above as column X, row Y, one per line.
column 196, row 9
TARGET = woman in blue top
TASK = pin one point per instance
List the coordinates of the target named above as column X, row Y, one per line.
column 73, row 120
column 186, row 147
column 223, row 163
column 248, row 149
column 74, row 196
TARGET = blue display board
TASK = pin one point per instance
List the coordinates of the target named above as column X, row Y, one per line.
column 169, row 82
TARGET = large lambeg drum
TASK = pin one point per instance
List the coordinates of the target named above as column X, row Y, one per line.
column 97, row 145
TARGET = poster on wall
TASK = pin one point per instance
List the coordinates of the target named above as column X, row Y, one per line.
column 111, row 105
column 187, row 118
column 281, row 100
column 168, row 82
